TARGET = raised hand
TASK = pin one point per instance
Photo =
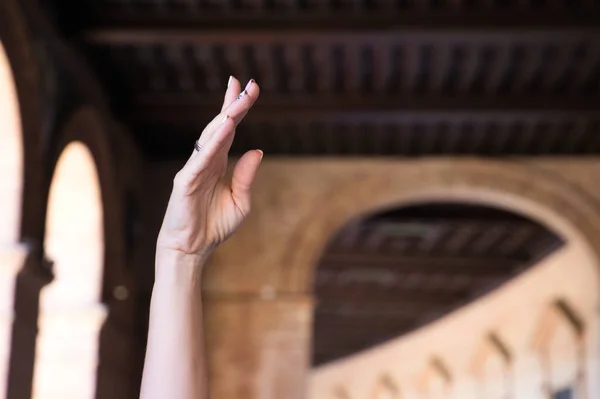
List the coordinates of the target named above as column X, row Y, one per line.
column 205, row 207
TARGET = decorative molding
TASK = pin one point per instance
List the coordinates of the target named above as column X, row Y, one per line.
column 435, row 368
column 385, row 385
column 558, row 313
column 492, row 345
column 507, row 185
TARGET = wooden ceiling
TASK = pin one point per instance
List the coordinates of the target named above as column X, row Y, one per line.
column 352, row 77
column 394, row 272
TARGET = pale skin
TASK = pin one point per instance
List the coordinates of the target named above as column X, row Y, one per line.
column 205, row 208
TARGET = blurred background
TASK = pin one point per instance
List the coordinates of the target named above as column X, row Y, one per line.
column 426, row 221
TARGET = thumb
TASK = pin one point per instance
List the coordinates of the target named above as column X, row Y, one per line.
column 243, row 176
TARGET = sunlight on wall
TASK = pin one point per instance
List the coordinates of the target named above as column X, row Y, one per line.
column 70, row 312
column 11, row 154
column 386, row 390
column 493, row 380
column 10, row 207
column 563, row 360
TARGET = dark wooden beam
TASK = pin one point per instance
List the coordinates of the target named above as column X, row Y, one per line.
column 332, row 295
column 352, row 108
column 469, row 266
column 363, row 324
column 126, row 35
column 391, row 310
column 153, row 25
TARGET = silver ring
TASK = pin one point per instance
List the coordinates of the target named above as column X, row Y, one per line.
column 197, row 146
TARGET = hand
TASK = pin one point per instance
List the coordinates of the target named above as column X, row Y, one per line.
column 205, row 208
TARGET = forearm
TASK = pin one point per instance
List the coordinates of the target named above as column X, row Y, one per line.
column 175, row 360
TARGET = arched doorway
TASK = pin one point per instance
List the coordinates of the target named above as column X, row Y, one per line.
column 395, row 287
column 541, row 194
column 11, row 185
column 390, row 273
column 70, row 310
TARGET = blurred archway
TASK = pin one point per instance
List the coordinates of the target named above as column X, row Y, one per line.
column 390, row 273
column 435, row 286
column 70, row 310
column 11, row 171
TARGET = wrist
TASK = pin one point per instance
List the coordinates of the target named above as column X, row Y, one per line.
column 178, row 268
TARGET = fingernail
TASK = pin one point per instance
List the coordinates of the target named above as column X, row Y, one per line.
column 249, row 84
column 225, row 119
column 242, row 94
column 229, row 81
column 261, row 154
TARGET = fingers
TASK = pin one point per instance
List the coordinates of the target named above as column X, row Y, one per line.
column 245, row 100
column 233, row 90
column 211, row 148
column 238, row 108
column 231, row 93
column 243, row 176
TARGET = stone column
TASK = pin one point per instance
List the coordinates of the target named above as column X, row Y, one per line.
column 11, row 261
column 67, row 351
column 33, row 276
column 258, row 348
column 592, row 362
column 117, row 371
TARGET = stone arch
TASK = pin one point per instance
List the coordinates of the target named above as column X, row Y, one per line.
column 117, row 168
column 89, row 127
column 19, row 46
column 436, row 380
column 513, row 186
column 492, row 367
column 70, row 310
column 559, row 341
column 385, row 388
column 26, row 254
column 11, row 158
column 11, row 187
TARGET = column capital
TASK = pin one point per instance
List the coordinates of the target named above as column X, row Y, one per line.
column 86, row 317
column 12, row 258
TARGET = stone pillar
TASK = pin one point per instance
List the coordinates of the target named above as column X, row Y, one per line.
column 11, row 260
column 592, row 363
column 116, row 377
column 67, row 351
column 258, row 348
column 35, row 274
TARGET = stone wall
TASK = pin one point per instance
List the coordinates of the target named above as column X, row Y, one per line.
column 299, row 204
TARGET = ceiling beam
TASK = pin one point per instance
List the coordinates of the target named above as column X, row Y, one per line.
column 176, row 35
column 331, row 295
column 181, row 109
column 117, row 26
column 423, row 264
column 391, row 309
column 358, row 324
